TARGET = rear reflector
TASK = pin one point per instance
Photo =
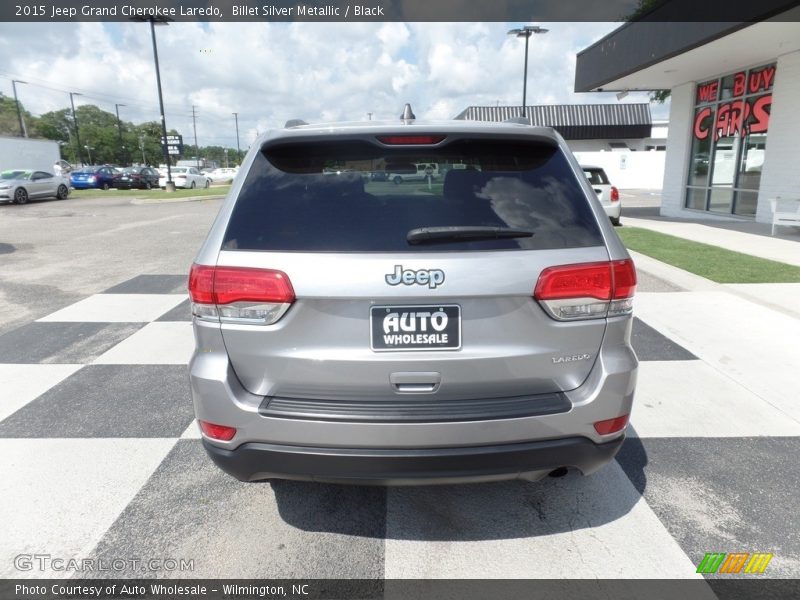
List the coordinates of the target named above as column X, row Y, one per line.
column 587, row 290
column 611, row 425
column 239, row 294
column 217, row 432
column 410, row 140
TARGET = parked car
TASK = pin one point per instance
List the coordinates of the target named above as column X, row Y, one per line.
column 136, row 177
column 417, row 172
column 347, row 332
column 222, row 174
column 185, row 177
column 607, row 193
column 20, row 185
column 92, row 177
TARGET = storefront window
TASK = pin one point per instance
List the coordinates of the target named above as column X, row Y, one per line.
column 729, row 141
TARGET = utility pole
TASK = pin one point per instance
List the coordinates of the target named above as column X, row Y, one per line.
column 141, row 145
column 196, row 150
column 75, row 122
column 238, row 149
column 22, row 131
column 119, row 131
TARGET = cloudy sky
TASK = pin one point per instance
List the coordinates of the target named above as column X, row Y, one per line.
column 271, row 72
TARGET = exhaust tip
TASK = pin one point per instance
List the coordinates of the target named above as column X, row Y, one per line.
column 559, row 472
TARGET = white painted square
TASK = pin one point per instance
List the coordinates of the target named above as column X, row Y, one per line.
column 159, row 343
column 753, row 345
column 117, row 308
column 192, row 431
column 19, row 384
column 693, row 399
column 61, row 495
column 574, row 527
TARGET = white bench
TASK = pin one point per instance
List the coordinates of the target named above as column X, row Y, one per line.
column 785, row 211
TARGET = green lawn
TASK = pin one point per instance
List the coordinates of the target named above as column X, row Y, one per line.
column 150, row 194
column 711, row 262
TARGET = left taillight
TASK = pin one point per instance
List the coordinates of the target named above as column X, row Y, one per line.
column 239, row 294
column 587, row 290
column 614, row 194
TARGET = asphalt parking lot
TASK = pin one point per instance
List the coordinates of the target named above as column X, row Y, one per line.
column 102, row 458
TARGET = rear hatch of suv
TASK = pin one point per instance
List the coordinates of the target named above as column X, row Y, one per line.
column 384, row 298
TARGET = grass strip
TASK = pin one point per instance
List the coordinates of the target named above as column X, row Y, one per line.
column 711, row 262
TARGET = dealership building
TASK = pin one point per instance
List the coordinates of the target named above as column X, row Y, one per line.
column 734, row 123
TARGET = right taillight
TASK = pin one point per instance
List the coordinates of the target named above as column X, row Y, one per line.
column 587, row 290
column 239, row 294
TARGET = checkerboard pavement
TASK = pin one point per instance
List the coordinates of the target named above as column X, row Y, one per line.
column 101, row 459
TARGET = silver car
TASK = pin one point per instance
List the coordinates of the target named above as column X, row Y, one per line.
column 21, row 185
column 474, row 328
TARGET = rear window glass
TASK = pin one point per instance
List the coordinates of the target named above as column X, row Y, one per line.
column 596, row 176
column 354, row 196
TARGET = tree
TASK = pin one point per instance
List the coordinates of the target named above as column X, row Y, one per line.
column 9, row 120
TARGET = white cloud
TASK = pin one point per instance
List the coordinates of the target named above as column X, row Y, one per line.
column 271, row 72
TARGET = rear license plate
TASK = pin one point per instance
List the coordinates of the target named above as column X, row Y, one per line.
column 415, row 328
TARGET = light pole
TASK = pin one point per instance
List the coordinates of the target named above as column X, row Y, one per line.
column 75, row 123
column 141, row 145
column 89, row 150
column 170, row 185
column 22, row 131
column 226, row 158
column 238, row 149
column 526, row 32
column 119, row 131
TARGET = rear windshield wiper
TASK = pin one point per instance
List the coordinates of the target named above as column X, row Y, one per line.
column 429, row 235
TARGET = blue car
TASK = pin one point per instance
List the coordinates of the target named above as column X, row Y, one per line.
column 92, row 177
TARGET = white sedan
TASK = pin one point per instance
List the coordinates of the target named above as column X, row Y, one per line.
column 222, row 174
column 185, row 177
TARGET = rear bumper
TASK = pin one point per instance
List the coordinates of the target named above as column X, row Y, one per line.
column 530, row 460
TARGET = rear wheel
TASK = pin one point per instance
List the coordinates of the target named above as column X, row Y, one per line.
column 192, row 186
column 208, row 183
column 148, row 185
column 615, row 221
column 398, row 180
column 20, row 196
column 62, row 192
column 106, row 186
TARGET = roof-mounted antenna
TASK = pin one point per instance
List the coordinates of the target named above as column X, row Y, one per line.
column 408, row 114
column 294, row 123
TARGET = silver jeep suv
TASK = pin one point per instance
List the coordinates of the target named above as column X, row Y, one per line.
column 471, row 327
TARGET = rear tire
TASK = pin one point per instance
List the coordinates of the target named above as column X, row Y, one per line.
column 106, row 187
column 20, row 196
column 62, row 192
column 615, row 221
column 208, row 183
column 148, row 185
column 398, row 180
column 191, row 187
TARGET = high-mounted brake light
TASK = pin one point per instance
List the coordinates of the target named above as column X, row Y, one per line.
column 614, row 194
column 587, row 290
column 239, row 294
column 410, row 140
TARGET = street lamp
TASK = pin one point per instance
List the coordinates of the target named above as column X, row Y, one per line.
column 22, row 131
column 75, row 122
column 88, row 149
column 238, row 149
column 119, row 131
column 226, row 158
column 526, row 32
column 161, row 20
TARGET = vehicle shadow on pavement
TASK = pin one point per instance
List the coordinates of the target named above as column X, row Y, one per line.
column 486, row 511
